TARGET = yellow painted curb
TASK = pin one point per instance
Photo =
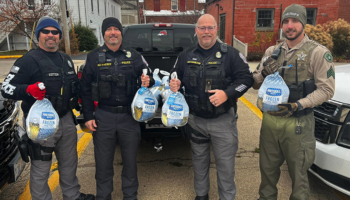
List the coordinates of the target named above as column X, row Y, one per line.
column 13, row 56
column 253, row 108
column 54, row 179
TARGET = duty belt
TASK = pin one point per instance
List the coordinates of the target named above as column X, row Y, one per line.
column 116, row 109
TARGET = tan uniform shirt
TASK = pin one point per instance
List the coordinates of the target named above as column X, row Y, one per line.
column 319, row 70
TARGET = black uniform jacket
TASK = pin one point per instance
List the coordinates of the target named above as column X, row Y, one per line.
column 237, row 71
column 90, row 74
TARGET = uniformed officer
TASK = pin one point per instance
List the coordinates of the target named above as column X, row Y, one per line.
column 56, row 70
column 214, row 76
column 289, row 134
column 111, row 77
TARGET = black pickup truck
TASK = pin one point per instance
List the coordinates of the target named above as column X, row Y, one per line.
column 160, row 44
column 11, row 163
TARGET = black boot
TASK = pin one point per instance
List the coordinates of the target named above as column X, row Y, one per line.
column 206, row 197
column 83, row 196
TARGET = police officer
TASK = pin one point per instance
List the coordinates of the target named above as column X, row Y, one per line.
column 288, row 134
column 214, row 76
column 111, row 77
column 56, row 70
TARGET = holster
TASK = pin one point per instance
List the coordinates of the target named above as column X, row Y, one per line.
column 22, row 143
column 34, row 151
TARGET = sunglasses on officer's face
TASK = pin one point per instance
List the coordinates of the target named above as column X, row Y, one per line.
column 45, row 31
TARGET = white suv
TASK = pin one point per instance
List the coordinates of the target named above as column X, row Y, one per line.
column 332, row 132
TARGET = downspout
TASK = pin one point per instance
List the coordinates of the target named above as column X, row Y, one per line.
column 79, row 10
column 233, row 20
column 138, row 12
column 86, row 18
column 143, row 12
column 279, row 25
column 8, row 42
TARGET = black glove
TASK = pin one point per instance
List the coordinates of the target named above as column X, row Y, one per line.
column 287, row 110
column 270, row 66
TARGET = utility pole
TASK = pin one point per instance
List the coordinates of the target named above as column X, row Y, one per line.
column 65, row 26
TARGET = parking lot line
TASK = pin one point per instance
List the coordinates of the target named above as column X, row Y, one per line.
column 253, row 108
column 54, row 179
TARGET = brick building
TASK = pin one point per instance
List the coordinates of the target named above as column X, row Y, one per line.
column 250, row 16
column 171, row 11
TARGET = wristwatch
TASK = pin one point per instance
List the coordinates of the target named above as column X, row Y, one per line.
column 300, row 107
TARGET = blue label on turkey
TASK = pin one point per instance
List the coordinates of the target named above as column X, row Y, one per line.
column 148, row 110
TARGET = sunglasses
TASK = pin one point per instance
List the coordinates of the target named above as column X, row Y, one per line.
column 54, row 32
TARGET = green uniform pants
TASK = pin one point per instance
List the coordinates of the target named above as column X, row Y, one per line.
column 279, row 142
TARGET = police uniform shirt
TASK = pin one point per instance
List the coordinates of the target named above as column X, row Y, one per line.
column 24, row 72
column 90, row 75
column 321, row 69
column 237, row 71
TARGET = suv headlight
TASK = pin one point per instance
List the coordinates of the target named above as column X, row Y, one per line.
column 344, row 134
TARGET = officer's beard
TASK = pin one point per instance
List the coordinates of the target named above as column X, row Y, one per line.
column 295, row 37
column 54, row 46
column 113, row 42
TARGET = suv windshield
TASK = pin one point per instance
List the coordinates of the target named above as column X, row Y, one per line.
column 159, row 40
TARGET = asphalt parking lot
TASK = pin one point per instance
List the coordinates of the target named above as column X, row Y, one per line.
column 168, row 175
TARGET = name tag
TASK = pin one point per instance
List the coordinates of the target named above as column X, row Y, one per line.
column 214, row 63
column 193, row 62
column 104, row 64
column 126, row 62
column 71, row 72
column 54, row 74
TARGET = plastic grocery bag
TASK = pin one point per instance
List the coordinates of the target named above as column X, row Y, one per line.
column 144, row 105
column 175, row 110
column 157, row 88
column 42, row 121
column 272, row 92
column 166, row 91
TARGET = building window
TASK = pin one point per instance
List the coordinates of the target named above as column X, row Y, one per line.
column 31, row 4
column 156, row 5
column 182, row 5
column 265, row 19
column 173, row 4
column 98, row 6
column 222, row 24
column 92, row 5
column 311, row 16
column 47, row 2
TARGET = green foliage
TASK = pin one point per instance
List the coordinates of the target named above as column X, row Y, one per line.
column 73, row 41
column 86, row 37
column 255, row 56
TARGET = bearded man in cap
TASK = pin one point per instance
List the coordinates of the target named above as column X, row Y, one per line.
column 56, row 70
column 308, row 70
column 111, row 76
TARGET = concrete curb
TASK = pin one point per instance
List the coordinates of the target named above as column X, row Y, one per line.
column 14, row 56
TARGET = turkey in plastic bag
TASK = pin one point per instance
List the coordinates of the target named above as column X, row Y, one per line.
column 175, row 110
column 144, row 105
column 272, row 92
column 157, row 88
column 42, row 121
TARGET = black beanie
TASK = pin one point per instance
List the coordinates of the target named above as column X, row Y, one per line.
column 111, row 21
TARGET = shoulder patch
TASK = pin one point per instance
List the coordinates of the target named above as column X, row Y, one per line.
column 14, row 69
column 328, row 56
column 330, row 72
column 243, row 58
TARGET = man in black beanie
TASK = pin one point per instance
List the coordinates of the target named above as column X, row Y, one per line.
column 56, row 71
column 111, row 76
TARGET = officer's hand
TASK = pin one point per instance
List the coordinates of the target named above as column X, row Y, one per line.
column 35, row 91
column 145, row 80
column 218, row 98
column 270, row 66
column 91, row 124
column 287, row 110
column 174, row 85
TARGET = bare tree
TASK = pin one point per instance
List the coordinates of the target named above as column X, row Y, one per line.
column 18, row 16
column 189, row 17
